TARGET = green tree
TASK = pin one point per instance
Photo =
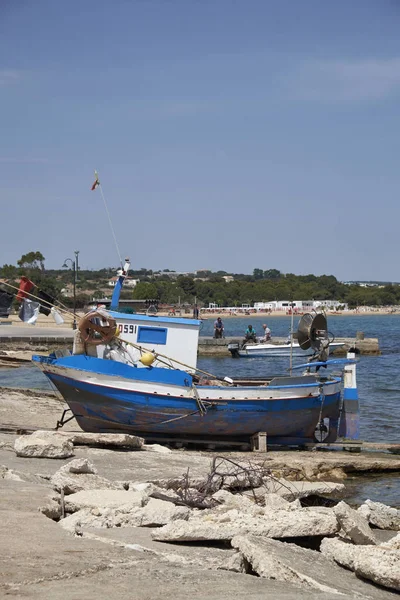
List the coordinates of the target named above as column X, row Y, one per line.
column 9, row 272
column 272, row 274
column 187, row 284
column 145, row 291
column 258, row 273
column 32, row 261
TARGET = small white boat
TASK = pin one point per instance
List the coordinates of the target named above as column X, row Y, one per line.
column 263, row 349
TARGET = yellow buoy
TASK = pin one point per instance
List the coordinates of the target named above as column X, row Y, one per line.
column 147, row 359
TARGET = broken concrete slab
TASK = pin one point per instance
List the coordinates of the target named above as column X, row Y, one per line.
column 6, row 473
column 86, row 517
column 225, row 526
column 354, row 525
column 291, row 490
column 79, row 466
column 102, row 499
column 277, row 501
column 138, row 486
column 156, row 448
column 43, row 444
column 155, row 514
column 209, row 557
column 229, row 500
column 235, row 563
column 341, row 552
column 380, row 515
column 382, row 566
column 158, row 512
column 393, row 543
column 115, row 440
column 81, row 474
column 52, row 510
column 72, row 483
column 308, row 569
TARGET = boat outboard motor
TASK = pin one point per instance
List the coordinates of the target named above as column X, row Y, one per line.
column 234, row 350
column 313, row 333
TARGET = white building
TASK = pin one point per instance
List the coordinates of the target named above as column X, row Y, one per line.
column 300, row 305
column 129, row 282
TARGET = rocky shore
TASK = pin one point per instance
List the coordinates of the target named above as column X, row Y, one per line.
column 99, row 515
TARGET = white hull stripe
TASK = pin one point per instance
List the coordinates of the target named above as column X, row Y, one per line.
column 152, row 388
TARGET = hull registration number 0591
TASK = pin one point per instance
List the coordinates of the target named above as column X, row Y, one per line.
column 127, row 328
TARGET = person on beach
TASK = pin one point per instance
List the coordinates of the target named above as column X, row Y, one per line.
column 250, row 335
column 218, row 328
column 195, row 312
column 267, row 333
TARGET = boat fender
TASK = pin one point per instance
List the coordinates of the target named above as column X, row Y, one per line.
column 147, row 359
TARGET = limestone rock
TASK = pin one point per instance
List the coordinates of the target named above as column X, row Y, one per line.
column 104, row 499
column 380, row 515
column 380, row 565
column 43, row 444
column 275, row 524
column 159, row 512
column 354, row 525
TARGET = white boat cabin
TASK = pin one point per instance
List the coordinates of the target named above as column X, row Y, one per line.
column 174, row 337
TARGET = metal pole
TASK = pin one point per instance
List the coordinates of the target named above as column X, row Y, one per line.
column 291, row 340
column 74, row 269
column 76, row 252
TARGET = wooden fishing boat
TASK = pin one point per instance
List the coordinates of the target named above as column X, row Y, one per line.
column 138, row 374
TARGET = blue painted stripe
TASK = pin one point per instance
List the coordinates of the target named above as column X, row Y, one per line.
column 155, row 319
column 117, row 292
column 90, row 364
column 165, row 402
column 333, row 361
column 350, row 393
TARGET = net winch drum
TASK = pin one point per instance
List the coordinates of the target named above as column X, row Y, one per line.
column 312, row 332
column 234, row 349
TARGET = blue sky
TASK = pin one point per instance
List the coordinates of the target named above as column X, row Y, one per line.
column 228, row 134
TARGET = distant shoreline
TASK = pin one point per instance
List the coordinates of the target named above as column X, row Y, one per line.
column 262, row 315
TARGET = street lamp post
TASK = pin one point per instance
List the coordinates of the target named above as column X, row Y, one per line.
column 74, row 265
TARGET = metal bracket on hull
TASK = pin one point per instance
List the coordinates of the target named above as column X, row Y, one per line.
column 62, row 422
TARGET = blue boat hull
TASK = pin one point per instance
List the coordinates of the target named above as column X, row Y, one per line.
column 99, row 408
